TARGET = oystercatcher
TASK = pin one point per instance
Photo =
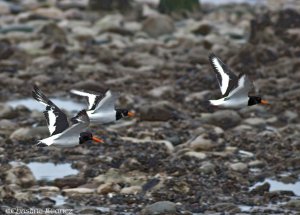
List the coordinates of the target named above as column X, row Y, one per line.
column 101, row 109
column 61, row 134
column 234, row 89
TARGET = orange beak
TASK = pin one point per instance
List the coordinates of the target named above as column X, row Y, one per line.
column 98, row 140
column 130, row 114
column 264, row 102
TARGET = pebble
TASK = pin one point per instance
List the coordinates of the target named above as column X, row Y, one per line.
column 203, row 28
column 239, row 167
column 162, row 207
column 108, row 187
column 49, row 189
column 222, row 118
column 293, row 204
column 158, row 92
column 198, row 155
column 50, row 13
column 256, row 164
column 131, row 190
column 261, row 189
column 160, row 111
column 7, row 112
column 78, row 191
column 69, row 182
column 158, row 25
column 30, row 133
column 226, row 207
column 255, row 122
column 207, row 167
column 109, row 22
column 4, row 8
column 202, row 144
column 20, row 175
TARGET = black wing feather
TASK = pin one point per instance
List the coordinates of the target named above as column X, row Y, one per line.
column 233, row 78
column 61, row 121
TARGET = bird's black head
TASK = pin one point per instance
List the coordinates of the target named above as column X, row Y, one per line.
column 253, row 100
column 88, row 136
column 120, row 113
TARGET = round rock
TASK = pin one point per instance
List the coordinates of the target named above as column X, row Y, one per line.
column 162, row 207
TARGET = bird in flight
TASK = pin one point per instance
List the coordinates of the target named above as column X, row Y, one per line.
column 61, row 134
column 234, row 89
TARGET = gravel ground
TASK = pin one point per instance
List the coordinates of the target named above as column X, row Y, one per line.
column 178, row 155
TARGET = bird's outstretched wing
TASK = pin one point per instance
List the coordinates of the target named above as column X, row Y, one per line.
column 244, row 85
column 80, row 122
column 226, row 79
column 107, row 103
column 56, row 119
column 93, row 99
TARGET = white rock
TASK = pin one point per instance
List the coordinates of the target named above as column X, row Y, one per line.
column 239, row 167
column 201, row 143
column 131, row 190
column 48, row 189
column 198, row 155
column 78, row 190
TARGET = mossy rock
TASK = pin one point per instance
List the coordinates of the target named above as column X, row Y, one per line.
column 168, row 6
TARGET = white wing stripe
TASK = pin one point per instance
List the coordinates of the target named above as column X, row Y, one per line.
column 91, row 97
column 52, row 121
column 224, row 76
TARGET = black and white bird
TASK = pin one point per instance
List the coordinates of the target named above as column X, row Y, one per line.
column 101, row 109
column 234, row 89
column 61, row 134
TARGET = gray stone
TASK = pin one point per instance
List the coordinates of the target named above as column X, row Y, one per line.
column 78, row 191
column 20, row 175
column 7, row 112
column 256, row 164
column 30, row 133
column 4, row 8
column 207, row 167
column 156, row 26
column 239, row 167
column 255, row 121
column 108, row 187
column 202, row 144
column 109, row 22
column 158, row 92
column 69, row 182
column 131, row 190
column 290, row 116
column 261, row 189
column 222, row 118
column 198, row 155
column 6, row 124
column 160, row 111
column 293, row 204
column 226, row 207
column 203, row 28
column 162, row 207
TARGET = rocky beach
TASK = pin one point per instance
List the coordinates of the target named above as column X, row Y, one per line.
column 178, row 155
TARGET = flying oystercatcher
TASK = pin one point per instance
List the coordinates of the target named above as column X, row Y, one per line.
column 234, row 89
column 61, row 134
column 101, row 109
